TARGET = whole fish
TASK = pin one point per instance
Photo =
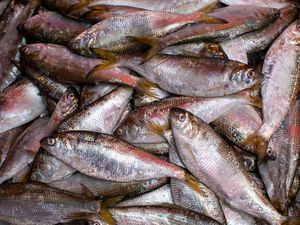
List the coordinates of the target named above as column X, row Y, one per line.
column 52, row 27
column 240, row 20
column 184, row 7
column 158, row 196
column 96, row 155
column 113, row 34
column 141, row 125
column 25, row 149
column 278, row 4
column 238, row 124
column 107, row 189
column 39, row 204
column 238, row 48
column 198, row 49
column 281, row 84
column 278, row 175
column 7, row 140
column 47, row 168
column 90, row 94
column 149, row 215
column 219, row 167
column 20, row 104
column 101, row 116
column 191, row 76
column 9, row 45
column 47, row 58
column 48, row 86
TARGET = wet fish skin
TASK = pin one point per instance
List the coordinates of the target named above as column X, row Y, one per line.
column 154, row 148
column 48, row 86
column 7, row 140
column 21, row 98
column 278, row 175
column 47, row 168
column 9, row 45
column 101, row 116
column 138, row 127
column 278, row 92
column 52, row 27
column 107, row 189
column 278, row 4
column 214, row 165
column 237, row 125
column 22, row 176
column 39, row 204
column 158, row 215
column 201, row 77
column 100, row 152
column 90, row 94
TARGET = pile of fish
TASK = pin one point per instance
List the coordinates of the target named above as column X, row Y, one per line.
column 161, row 112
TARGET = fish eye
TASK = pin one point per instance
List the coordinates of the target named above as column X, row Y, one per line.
column 181, row 117
column 75, row 45
column 25, row 49
column 269, row 151
column 51, row 141
column 251, row 73
column 119, row 132
column 71, row 96
column 96, row 223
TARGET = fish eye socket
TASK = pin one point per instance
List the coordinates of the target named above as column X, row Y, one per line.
column 269, row 151
column 96, row 223
column 181, row 117
column 71, row 96
column 51, row 141
column 75, row 45
column 119, row 132
column 251, row 73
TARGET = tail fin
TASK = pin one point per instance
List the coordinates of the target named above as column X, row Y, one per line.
column 291, row 221
column 193, row 182
column 201, row 15
column 78, row 7
column 260, row 144
column 107, row 203
column 148, row 87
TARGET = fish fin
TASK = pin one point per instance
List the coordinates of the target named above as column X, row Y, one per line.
column 147, row 87
column 101, row 8
column 153, row 42
column 158, row 128
column 252, row 95
column 31, row 152
column 107, row 203
column 77, row 7
column 291, row 221
column 87, row 192
column 201, row 15
column 193, row 182
column 295, row 41
column 259, row 143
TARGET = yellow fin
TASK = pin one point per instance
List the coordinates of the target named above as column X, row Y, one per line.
column 147, row 87
column 154, row 43
column 78, row 7
column 193, row 182
column 158, row 128
column 202, row 17
column 259, row 143
column 87, row 192
column 107, row 203
column 101, row 8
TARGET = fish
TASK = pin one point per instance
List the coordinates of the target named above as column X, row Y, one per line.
column 158, row 196
column 258, row 40
column 9, row 45
column 142, row 124
column 277, row 4
column 96, row 155
column 101, row 116
column 240, row 20
column 278, row 175
column 90, row 94
column 207, row 156
column 47, row 168
column 197, row 49
column 113, row 34
column 24, row 150
column 47, row 58
column 47, row 86
column 38, row 204
column 281, row 69
column 19, row 104
column 104, row 188
column 158, row 215
column 237, row 125
column 52, row 27
column 7, row 140
column 154, row 148
column 189, row 76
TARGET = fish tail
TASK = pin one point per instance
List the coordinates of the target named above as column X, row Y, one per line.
column 147, row 87
column 201, row 15
column 252, row 95
column 155, row 45
column 281, row 206
column 104, row 209
column 193, row 182
column 290, row 220
column 258, row 142
column 78, row 7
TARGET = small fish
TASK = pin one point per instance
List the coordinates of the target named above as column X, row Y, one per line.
column 39, row 204
column 52, row 27
column 213, row 161
column 19, row 104
column 105, row 188
column 281, row 69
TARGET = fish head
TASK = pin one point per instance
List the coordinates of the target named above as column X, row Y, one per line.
column 32, row 52
column 67, row 104
column 294, row 35
column 128, row 131
column 270, row 13
column 82, row 43
column 62, row 143
column 243, row 77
